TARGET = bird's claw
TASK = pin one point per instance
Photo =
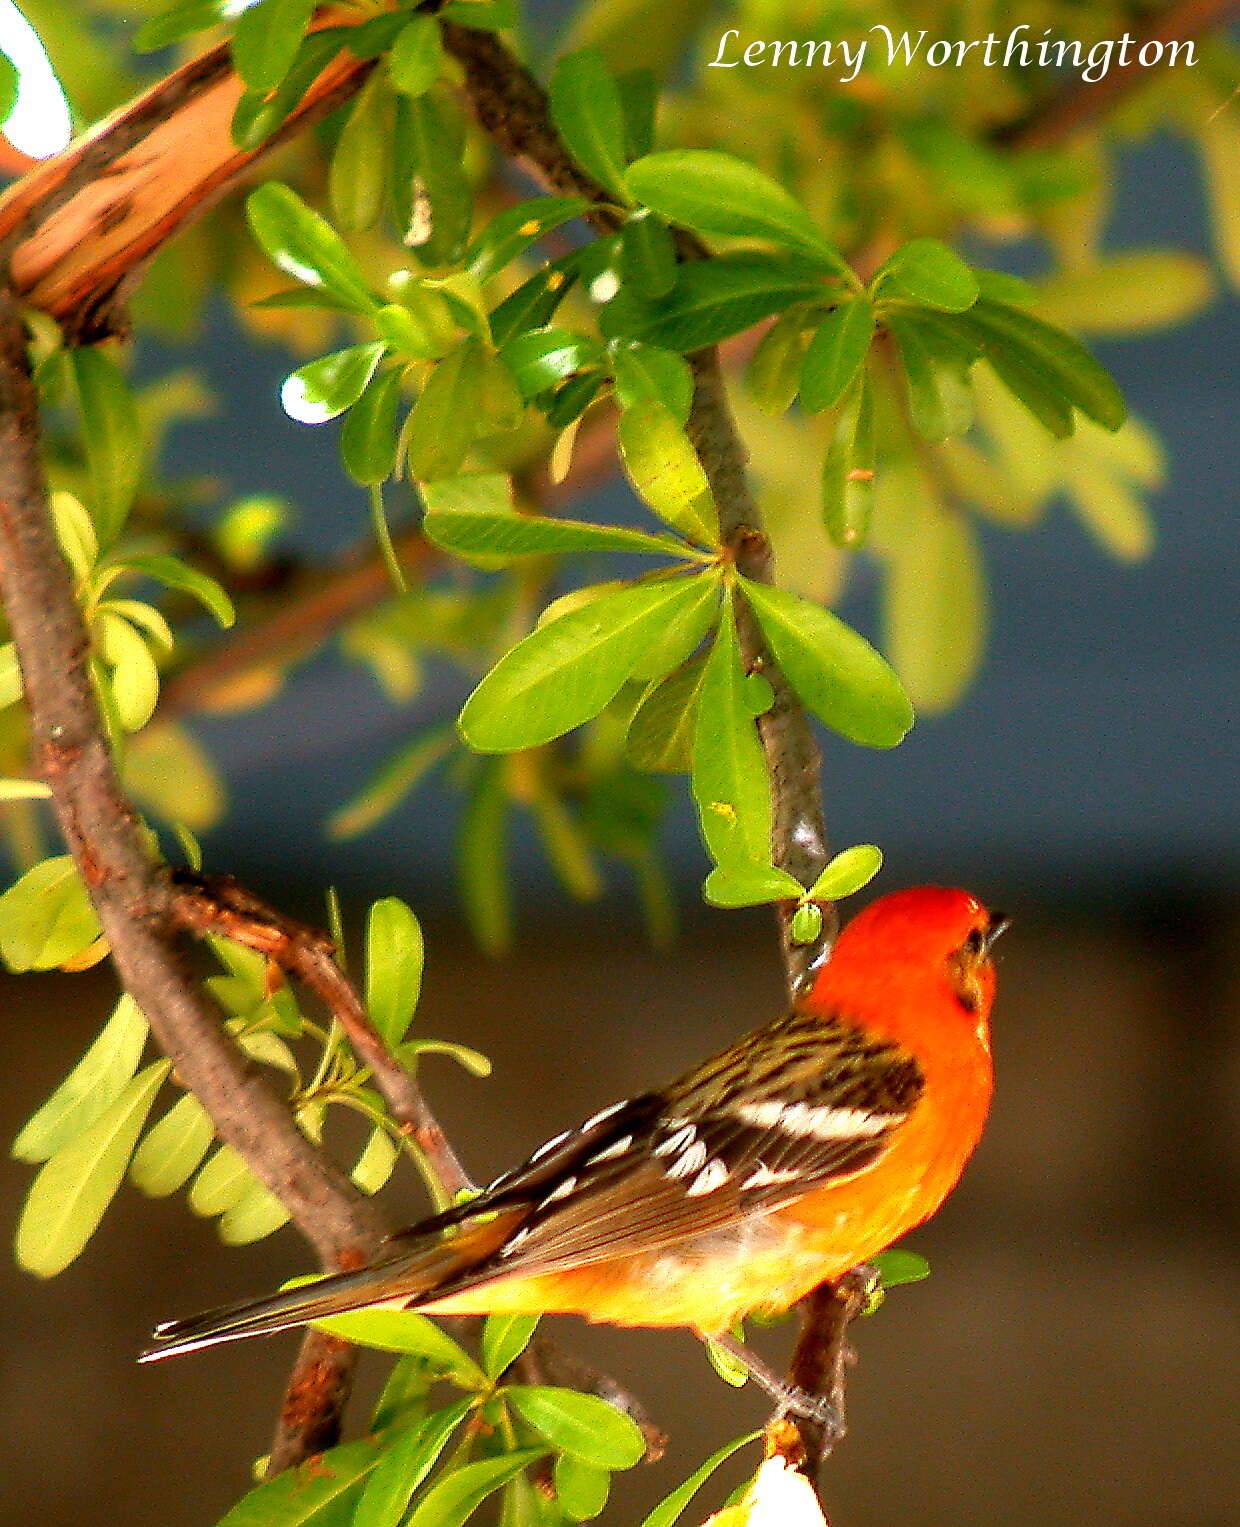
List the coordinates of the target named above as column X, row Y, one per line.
column 816, row 1409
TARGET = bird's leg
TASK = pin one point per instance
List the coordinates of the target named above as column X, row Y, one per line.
column 790, row 1399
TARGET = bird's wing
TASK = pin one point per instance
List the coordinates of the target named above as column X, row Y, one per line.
column 793, row 1107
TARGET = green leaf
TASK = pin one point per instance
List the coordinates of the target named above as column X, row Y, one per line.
column 731, row 786
column 806, row 924
column 581, row 1488
column 305, row 1496
column 716, row 193
column 506, row 534
column 220, row 1183
column 135, row 677
column 897, row 1266
column 664, row 469
column 672, row 1508
column 266, row 40
column 540, row 358
column 73, row 1189
column 444, row 422
column 586, row 108
column 927, row 272
column 484, row 15
column 774, row 370
column 407, row 1331
column 639, row 96
column 535, row 301
column 173, row 1148
column 847, row 872
column 46, row 917
column 175, row 574
column 395, row 954
column 10, row 675
column 730, row 1369
column 91, row 1087
column 452, row 1499
column 407, row 1460
column 511, row 232
column 1086, row 384
column 848, row 471
column 376, row 1163
column 504, row 1338
column 368, row 437
column 431, row 189
column 395, row 778
column 1128, row 293
column 939, row 391
column 182, row 20
column 836, row 353
column 934, row 605
column 468, row 1059
column 111, row 434
column 24, row 790
column 566, row 671
column 259, row 114
column 580, row 1424
column 836, row 672
column 305, row 247
column 417, row 56
column 481, row 865
column 75, row 530
column 714, row 299
column 660, row 735
column 645, row 373
column 256, row 1213
column 750, row 885
column 357, row 180
column 647, row 254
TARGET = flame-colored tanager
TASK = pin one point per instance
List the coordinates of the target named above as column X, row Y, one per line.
column 783, row 1163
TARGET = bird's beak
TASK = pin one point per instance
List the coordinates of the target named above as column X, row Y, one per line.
column 1000, row 922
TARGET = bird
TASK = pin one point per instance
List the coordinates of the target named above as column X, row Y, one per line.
column 783, row 1163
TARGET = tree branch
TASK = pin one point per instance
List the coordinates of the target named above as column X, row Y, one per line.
column 133, row 892
column 78, row 230
column 218, row 904
column 1060, row 116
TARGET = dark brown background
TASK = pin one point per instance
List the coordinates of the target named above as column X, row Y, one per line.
column 1072, row 1359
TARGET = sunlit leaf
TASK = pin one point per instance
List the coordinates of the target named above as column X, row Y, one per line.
column 580, row 1424
column 504, row 1338
column 847, row 872
column 91, row 1087
column 586, row 108
column 407, row 1460
column 665, row 470
column 731, row 786
column 395, row 953
column 46, row 917
column 173, row 1148
column 836, row 672
column 717, row 193
column 927, row 272
column 566, row 671
column 74, row 1187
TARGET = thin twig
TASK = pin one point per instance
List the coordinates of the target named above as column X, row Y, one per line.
column 218, row 904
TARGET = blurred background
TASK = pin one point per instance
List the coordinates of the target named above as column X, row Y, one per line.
column 1073, row 1356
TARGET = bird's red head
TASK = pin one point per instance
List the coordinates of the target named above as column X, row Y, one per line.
column 910, row 945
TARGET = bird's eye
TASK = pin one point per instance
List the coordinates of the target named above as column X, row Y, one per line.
column 975, row 943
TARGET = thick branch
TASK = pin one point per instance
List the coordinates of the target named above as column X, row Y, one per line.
column 217, row 904
column 79, row 229
column 131, row 890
